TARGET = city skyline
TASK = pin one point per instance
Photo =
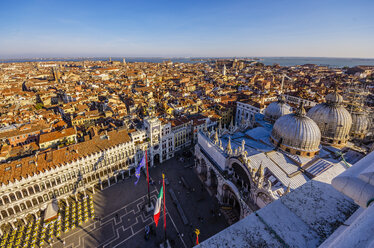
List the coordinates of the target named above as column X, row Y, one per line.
column 193, row 29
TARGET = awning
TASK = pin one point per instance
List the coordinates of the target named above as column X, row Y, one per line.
column 51, row 211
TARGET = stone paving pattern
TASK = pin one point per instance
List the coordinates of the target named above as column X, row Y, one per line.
column 122, row 219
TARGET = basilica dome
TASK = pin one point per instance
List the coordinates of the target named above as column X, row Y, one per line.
column 360, row 124
column 297, row 134
column 333, row 120
column 277, row 109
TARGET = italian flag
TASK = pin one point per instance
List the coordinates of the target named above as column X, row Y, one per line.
column 156, row 214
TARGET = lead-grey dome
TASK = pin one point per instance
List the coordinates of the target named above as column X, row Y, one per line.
column 297, row 133
column 277, row 109
column 333, row 120
column 360, row 124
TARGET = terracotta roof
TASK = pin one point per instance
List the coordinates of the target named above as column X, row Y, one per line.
column 46, row 137
column 179, row 121
column 20, row 131
column 29, row 166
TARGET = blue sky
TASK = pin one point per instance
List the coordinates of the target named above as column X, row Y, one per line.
column 44, row 28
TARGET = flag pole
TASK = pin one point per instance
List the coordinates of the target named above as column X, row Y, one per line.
column 163, row 184
column 146, row 163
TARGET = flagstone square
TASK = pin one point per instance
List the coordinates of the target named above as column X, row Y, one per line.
column 122, row 217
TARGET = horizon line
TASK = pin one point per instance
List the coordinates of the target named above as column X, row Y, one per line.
column 173, row 57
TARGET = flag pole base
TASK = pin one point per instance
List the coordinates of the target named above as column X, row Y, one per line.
column 149, row 208
column 165, row 244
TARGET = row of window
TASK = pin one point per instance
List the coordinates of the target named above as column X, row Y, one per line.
column 50, row 183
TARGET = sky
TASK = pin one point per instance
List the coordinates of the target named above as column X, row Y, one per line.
column 203, row 28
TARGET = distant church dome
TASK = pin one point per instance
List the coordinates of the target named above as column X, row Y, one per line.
column 297, row 134
column 277, row 109
column 333, row 120
column 360, row 124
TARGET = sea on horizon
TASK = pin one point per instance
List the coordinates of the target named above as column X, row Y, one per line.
column 282, row 61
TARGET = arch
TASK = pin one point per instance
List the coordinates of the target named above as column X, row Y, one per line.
column 231, row 200
column 36, row 188
column 104, row 183
column 40, row 199
column 241, row 175
column 4, row 213
column 6, row 199
column 25, row 192
column 10, row 211
column 23, row 206
column 241, row 172
column 31, row 190
column 156, row 159
column 42, row 186
column 12, row 197
column 19, row 195
column 17, row 209
column 63, row 178
column 213, row 179
column 48, row 184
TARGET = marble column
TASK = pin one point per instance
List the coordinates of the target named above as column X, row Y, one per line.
column 219, row 194
column 101, row 185
column 208, row 181
column 198, row 166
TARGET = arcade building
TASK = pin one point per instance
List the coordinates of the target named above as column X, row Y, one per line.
column 30, row 185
